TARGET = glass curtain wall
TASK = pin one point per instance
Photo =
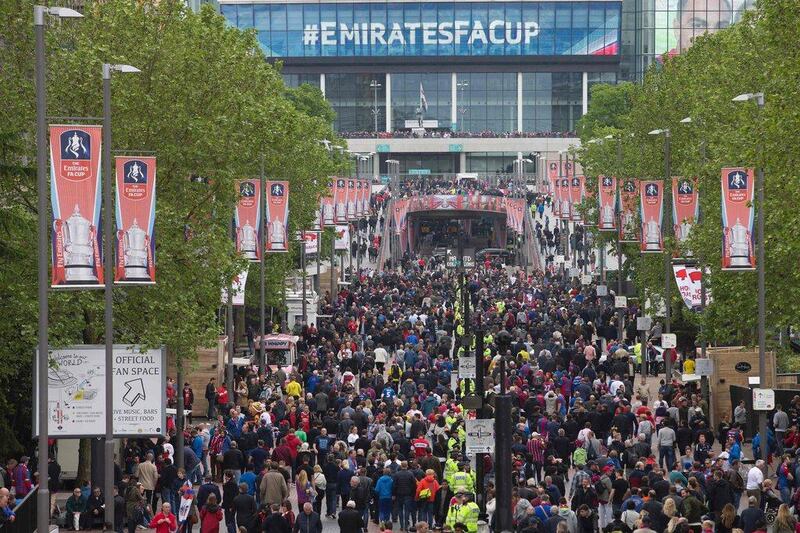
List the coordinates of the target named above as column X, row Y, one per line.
column 551, row 101
column 487, row 102
column 406, row 97
column 296, row 80
column 352, row 98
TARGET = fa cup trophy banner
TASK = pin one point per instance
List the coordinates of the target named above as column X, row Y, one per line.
column 652, row 212
column 352, row 194
column 136, row 215
column 607, row 199
column 277, row 216
column 366, row 194
column 576, row 196
column 340, row 201
column 248, row 219
column 737, row 219
column 327, row 206
column 628, row 196
column 552, row 174
column 75, row 187
column 685, row 206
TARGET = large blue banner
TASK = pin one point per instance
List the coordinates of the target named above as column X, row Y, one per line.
column 431, row 29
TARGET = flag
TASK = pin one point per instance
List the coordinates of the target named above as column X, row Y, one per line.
column 423, row 102
column 607, row 197
column 135, row 214
column 685, row 206
column 738, row 185
column 277, row 216
column 247, row 219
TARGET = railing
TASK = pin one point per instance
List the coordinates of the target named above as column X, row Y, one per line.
column 25, row 512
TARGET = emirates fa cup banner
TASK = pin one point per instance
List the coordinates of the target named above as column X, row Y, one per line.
column 247, row 219
column 340, row 201
column 277, row 213
column 136, row 215
column 652, row 212
column 397, row 215
column 75, row 190
column 367, row 197
column 628, row 198
column 552, row 174
column 310, row 240
column 607, row 199
column 738, row 185
column 352, row 192
column 565, row 211
column 359, row 205
column 576, row 196
column 342, row 242
column 327, row 205
column 685, row 206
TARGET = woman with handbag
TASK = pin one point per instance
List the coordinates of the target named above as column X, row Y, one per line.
column 320, row 484
column 305, row 489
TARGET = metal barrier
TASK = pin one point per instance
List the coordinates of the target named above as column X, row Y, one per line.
column 25, row 512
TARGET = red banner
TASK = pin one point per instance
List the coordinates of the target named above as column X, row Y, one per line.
column 738, row 185
column 75, row 188
column 247, row 218
column 326, row 204
column 652, row 213
column 359, row 205
column 607, row 199
column 340, row 201
column 553, row 171
column 352, row 192
column 576, row 196
column 277, row 216
column 136, row 215
column 685, row 206
column 366, row 197
column 629, row 196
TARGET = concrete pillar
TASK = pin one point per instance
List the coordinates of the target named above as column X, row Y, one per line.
column 388, row 84
column 322, row 83
column 454, row 101
column 585, row 92
column 462, row 162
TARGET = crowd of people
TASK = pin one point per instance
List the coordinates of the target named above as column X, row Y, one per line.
column 366, row 428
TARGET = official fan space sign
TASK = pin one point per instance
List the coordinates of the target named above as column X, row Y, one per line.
column 136, row 215
column 651, row 209
column 247, row 219
column 737, row 219
column 607, row 198
column 277, row 216
column 685, row 206
column 75, row 190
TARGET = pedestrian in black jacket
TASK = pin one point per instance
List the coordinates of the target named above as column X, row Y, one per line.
column 350, row 520
column 229, row 492
column 308, row 521
column 275, row 522
column 245, row 508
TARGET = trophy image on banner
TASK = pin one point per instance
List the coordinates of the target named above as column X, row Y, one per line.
column 686, row 207
column 247, row 219
column 136, row 204
column 340, row 201
column 75, row 192
column 351, row 200
column 277, row 216
column 651, row 213
column 737, row 219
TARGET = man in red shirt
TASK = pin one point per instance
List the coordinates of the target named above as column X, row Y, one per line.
column 421, row 446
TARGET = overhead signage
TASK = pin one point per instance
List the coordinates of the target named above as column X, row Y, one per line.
column 77, row 392
column 480, row 436
column 421, row 29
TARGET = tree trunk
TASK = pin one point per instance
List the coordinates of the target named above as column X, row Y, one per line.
column 84, row 461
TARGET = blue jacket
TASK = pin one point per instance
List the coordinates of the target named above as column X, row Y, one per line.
column 383, row 488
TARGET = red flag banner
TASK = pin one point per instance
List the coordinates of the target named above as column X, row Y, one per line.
column 75, row 190
column 652, row 212
column 738, row 185
column 685, row 206
column 552, row 172
column 277, row 216
column 136, row 215
column 629, row 196
column 340, row 201
column 247, row 218
column 352, row 192
column 607, row 199
column 576, row 196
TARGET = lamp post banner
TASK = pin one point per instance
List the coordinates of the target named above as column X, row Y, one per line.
column 565, row 212
column 366, row 197
column 310, row 240
column 652, row 214
column 359, row 203
column 628, row 197
column 328, row 206
column 247, row 219
column 685, row 206
column 576, row 196
column 75, row 188
column 136, row 216
column 237, row 292
column 340, row 201
column 607, row 198
column 342, row 242
column 689, row 281
column 277, row 213
column 738, row 250
column 352, row 193
column 552, row 174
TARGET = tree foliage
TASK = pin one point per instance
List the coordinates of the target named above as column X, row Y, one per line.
column 755, row 55
column 207, row 104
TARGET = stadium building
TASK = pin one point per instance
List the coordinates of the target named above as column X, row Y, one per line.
column 469, row 86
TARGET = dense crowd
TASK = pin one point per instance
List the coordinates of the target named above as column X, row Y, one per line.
column 367, row 426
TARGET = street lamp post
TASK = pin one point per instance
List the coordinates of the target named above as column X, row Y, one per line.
column 761, row 272
column 39, row 12
column 375, row 85
column 667, row 260
column 108, row 260
column 462, row 109
column 262, row 359
column 620, row 311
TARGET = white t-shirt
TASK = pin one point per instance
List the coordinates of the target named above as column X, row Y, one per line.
column 754, row 478
column 380, row 355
